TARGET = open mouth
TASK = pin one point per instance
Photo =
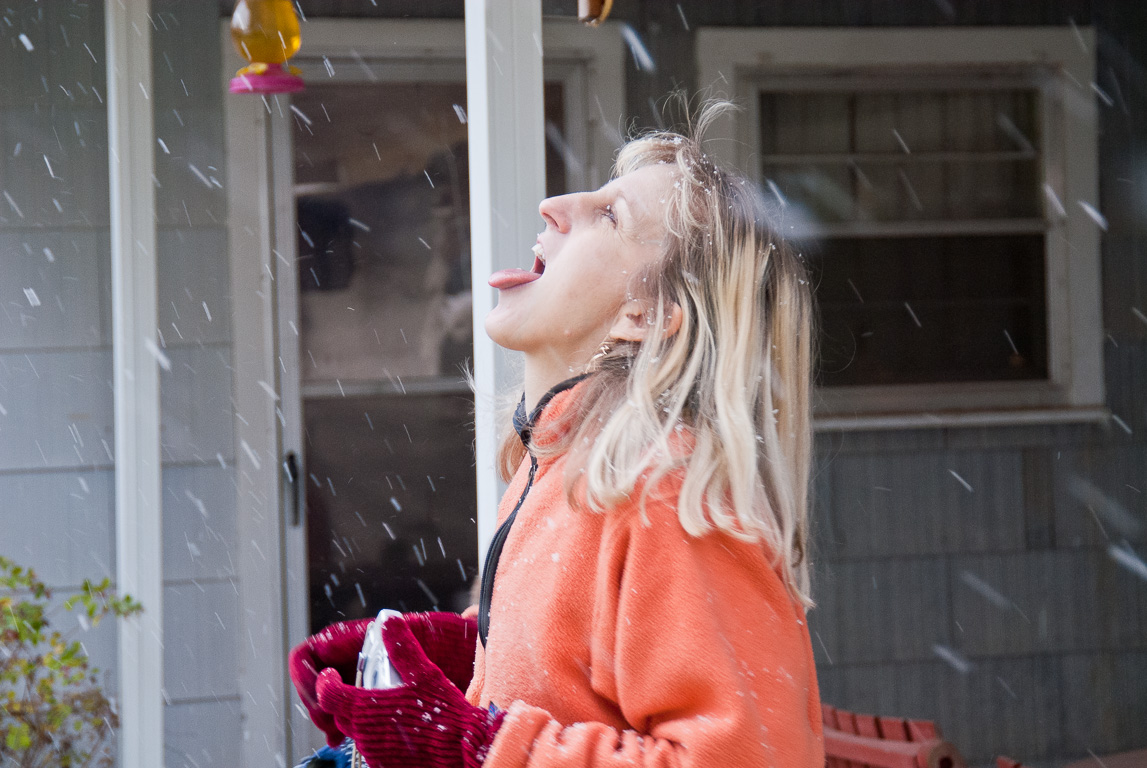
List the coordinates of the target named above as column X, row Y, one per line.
column 539, row 259
column 506, row 279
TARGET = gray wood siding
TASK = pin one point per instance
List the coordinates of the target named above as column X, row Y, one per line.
column 56, row 432
column 55, row 365
column 201, row 602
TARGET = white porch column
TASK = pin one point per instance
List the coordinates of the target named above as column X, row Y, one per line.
column 138, row 520
column 507, row 181
column 261, row 232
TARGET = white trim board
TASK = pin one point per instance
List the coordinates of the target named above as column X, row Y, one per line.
column 737, row 62
column 135, row 364
column 251, row 230
column 722, row 52
column 949, row 420
column 506, row 136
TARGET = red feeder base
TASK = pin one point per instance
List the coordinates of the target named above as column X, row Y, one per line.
column 274, row 80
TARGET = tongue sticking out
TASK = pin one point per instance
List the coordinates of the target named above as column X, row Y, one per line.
column 511, row 278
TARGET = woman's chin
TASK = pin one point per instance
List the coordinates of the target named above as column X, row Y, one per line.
column 503, row 329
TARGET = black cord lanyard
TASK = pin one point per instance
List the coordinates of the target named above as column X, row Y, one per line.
column 523, row 426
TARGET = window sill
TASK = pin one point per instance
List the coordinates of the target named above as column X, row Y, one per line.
column 949, row 419
column 397, row 385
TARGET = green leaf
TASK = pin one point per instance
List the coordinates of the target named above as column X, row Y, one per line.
column 19, row 737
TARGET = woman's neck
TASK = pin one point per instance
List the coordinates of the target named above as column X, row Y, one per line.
column 543, row 374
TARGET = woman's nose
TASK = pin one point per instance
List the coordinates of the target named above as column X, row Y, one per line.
column 555, row 211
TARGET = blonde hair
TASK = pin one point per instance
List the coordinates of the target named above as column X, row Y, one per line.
column 725, row 401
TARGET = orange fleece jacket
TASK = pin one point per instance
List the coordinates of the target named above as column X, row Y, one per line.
column 618, row 641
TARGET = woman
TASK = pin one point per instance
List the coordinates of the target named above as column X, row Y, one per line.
column 643, row 599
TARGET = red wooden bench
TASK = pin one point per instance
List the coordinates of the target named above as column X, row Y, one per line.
column 866, row 741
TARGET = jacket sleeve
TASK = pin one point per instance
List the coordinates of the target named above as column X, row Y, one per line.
column 700, row 647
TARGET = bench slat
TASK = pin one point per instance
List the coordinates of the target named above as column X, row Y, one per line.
column 846, row 723
column 828, row 718
column 893, row 729
column 883, row 753
column 866, row 741
column 922, row 730
column 866, row 726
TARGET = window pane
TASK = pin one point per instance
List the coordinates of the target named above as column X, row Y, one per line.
column 929, row 310
column 905, row 200
column 895, row 156
column 557, row 149
column 390, row 504
column 383, row 215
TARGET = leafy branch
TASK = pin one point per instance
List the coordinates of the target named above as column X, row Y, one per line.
column 52, row 709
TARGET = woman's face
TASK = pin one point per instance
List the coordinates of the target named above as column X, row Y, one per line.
column 565, row 305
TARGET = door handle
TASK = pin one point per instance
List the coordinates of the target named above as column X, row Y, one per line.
column 291, row 470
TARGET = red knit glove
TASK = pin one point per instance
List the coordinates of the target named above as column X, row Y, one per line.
column 336, row 647
column 424, row 723
column 450, row 642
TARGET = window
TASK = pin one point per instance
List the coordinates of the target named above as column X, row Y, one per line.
column 952, row 238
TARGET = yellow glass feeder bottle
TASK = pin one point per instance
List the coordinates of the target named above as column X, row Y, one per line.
column 266, row 34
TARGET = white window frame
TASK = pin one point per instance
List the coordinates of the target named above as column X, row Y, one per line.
column 738, row 62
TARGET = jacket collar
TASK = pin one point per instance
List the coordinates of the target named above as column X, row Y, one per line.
column 524, row 424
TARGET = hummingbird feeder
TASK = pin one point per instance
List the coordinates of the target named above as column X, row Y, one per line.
column 266, row 34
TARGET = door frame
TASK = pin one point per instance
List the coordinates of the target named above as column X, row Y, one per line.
column 261, row 223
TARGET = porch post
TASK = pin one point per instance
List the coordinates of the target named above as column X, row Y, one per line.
column 507, row 181
column 135, row 361
column 260, row 235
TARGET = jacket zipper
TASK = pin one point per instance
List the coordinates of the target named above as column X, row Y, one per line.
column 495, row 553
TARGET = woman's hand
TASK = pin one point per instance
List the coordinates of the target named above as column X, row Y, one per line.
column 424, row 722
column 450, row 642
column 336, row 648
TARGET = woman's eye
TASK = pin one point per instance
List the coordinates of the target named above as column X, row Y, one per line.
column 607, row 212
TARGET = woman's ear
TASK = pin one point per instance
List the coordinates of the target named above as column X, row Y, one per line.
column 632, row 323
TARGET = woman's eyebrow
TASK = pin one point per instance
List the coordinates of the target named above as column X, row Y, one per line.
column 620, row 197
